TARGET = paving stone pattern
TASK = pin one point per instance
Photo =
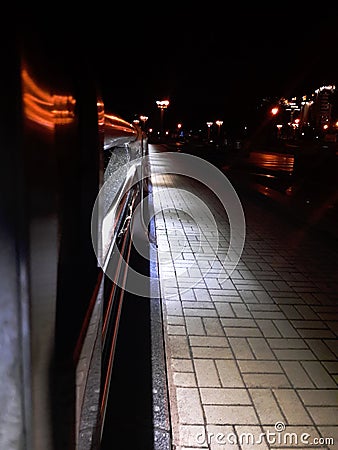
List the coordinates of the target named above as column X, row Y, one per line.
column 253, row 352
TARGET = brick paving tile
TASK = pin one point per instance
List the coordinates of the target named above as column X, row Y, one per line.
column 191, row 435
column 249, row 346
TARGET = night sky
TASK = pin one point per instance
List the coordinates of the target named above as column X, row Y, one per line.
column 211, row 62
column 205, row 60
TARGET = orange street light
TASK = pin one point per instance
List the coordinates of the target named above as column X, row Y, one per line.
column 162, row 105
column 219, row 123
column 143, row 120
column 209, row 125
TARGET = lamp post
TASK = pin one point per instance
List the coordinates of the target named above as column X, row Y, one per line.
column 143, row 120
column 274, row 112
column 179, row 127
column 209, row 125
column 162, row 105
column 219, row 123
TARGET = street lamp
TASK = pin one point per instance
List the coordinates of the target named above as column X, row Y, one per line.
column 209, row 125
column 179, row 127
column 162, row 105
column 143, row 120
column 219, row 123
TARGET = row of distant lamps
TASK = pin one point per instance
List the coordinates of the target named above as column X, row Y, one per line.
column 163, row 104
column 219, row 123
column 143, row 119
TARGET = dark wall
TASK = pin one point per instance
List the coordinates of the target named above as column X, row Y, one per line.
column 51, row 171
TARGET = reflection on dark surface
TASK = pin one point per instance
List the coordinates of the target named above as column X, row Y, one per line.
column 305, row 181
column 117, row 131
column 272, row 161
column 301, row 177
column 274, row 170
column 45, row 109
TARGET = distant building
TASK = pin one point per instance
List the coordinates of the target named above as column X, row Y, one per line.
column 309, row 112
column 323, row 107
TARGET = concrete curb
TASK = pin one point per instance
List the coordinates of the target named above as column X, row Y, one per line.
column 161, row 414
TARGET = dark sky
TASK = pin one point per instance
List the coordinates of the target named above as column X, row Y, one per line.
column 205, row 60
column 209, row 61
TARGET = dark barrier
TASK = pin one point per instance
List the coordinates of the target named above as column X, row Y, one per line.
column 59, row 312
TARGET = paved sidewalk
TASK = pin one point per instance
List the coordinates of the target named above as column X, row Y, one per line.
column 254, row 352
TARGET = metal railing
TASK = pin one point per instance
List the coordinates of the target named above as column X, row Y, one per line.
column 123, row 143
